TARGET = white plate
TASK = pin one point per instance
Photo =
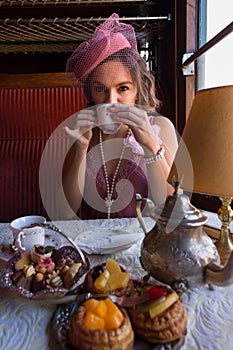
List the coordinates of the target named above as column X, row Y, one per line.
column 99, row 240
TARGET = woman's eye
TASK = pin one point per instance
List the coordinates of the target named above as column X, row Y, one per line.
column 123, row 88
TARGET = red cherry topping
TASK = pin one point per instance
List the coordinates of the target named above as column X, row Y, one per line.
column 155, row 293
column 48, row 261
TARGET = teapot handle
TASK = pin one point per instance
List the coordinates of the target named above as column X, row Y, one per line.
column 139, row 201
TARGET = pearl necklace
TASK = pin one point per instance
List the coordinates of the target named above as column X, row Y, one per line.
column 108, row 200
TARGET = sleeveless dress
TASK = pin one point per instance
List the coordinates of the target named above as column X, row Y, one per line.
column 130, row 180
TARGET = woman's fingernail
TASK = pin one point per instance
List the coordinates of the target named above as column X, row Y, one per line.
column 112, row 108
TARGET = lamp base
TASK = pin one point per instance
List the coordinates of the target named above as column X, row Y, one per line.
column 225, row 244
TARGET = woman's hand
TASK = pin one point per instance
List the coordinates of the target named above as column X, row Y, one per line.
column 138, row 121
column 81, row 130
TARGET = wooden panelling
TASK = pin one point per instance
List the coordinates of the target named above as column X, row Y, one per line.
column 33, row 80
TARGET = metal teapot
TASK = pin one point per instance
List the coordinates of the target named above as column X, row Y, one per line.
column 177, row 251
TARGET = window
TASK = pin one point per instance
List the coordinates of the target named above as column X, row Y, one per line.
column 215, row 66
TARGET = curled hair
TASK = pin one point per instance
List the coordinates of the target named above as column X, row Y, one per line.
column 142, row 78
column 146, row 95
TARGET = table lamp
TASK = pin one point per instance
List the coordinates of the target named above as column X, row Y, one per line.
column 208, row 138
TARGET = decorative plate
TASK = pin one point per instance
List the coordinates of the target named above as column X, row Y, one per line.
column 17, row 282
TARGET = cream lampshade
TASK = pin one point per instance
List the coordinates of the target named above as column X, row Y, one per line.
column 208, row 137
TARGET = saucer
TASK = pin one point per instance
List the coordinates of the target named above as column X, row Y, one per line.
column 101, row 240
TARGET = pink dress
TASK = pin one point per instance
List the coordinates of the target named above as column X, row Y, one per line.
column 130, row 180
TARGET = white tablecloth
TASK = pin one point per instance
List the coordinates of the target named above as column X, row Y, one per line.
column 23, row 323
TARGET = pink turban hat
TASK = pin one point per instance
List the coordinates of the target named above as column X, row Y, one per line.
column 109, row 38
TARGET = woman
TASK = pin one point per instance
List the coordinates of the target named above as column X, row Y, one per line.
column 102, row 173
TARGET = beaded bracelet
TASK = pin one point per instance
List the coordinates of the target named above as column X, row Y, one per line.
column 155, row 157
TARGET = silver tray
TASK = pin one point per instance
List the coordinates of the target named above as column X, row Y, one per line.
column 71, row 250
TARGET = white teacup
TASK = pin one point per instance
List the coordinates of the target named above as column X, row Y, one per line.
column 28, row 237
column 18, row 224
column 105, row 120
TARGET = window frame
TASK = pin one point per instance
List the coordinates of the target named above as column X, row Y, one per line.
column 186, row 14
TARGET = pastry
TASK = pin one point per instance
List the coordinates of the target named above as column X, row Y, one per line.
column 38, row 283
column 19, row 279
column 46, row 268
column 100, row 324
column 107, row 278
column 70, row 274
column 40, row 253
column 24, row 260
column 161, row 320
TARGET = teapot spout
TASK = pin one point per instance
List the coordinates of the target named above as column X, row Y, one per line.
column 139, row 201
column 220, row 275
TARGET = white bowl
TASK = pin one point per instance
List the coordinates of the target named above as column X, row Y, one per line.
column 24, row 221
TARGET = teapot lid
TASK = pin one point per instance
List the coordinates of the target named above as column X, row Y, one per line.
column 178, row 210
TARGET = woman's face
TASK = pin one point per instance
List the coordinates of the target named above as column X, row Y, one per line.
column 111, row 83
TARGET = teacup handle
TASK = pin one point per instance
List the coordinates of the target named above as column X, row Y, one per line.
column 18, row 240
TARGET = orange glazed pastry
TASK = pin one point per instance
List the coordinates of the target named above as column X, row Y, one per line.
column 161, row 320
column 107, row 278
column 100, row 324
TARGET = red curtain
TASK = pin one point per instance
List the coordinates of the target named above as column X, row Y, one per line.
column 28, row 116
